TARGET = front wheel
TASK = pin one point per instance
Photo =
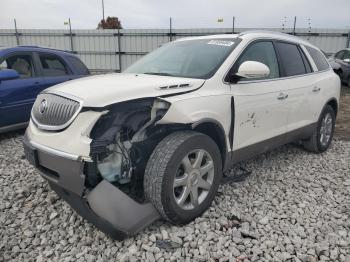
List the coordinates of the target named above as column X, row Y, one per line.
column 182, row 175
column 323, row 134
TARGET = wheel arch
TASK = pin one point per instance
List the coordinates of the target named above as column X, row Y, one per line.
column 215, row 131
column 333, row 102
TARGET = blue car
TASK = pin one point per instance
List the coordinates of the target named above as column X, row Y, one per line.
column 24, row 72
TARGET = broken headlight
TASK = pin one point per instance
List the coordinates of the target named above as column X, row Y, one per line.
column 114, row 134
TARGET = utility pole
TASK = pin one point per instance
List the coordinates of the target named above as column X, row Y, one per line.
column 16, row 32
column 170, row 29
column 233, row 25
column 295, row 22
column 103, row 10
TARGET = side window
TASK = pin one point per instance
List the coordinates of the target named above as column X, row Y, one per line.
column 339, row 55
column 262, row 52
column 291, row 59
column 346, row 55
column 23, row 64
column 3, row 65
column 52, row 65
column 78, row 65
column 319, row 59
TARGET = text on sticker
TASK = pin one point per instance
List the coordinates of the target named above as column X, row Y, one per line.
column 220, row 42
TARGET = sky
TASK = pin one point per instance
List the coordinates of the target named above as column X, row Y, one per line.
column 135, row 14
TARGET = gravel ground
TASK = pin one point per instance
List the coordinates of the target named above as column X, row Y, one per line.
column 343, row 119
column 295, row 206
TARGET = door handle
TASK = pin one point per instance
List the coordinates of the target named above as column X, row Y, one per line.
column 282, row 96
column 316, row 89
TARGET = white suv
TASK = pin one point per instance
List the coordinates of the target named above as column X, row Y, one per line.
column 126, row 149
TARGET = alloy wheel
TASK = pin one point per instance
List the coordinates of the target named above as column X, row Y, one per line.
column 194, row 179
column 326, row 129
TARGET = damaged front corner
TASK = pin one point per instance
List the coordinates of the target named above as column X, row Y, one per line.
column 119, row 209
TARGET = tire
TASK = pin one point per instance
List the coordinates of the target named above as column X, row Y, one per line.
column 317, row 142
column 166, row 164
column 348, row 82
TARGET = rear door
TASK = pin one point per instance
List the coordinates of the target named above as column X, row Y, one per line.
column 53, row 69
column 18, row 95
column 322, row 83
column 296, row 69
column 260, row 105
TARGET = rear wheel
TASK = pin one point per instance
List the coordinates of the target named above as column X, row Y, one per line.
column 182, row 175
column 323, row 134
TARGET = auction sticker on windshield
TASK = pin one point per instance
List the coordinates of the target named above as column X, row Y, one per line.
column 220, row 42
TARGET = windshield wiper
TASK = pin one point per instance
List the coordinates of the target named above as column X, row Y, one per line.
column 158, row 74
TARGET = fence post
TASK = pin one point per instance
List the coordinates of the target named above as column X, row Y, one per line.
column 348, row 41
column 71, row 36
column 233, row 25
column 119, row 52
column 170, row 30
column 295, row 22
column 16, row 32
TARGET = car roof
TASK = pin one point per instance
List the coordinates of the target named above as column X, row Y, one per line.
column 254, row 34
column 27, row 48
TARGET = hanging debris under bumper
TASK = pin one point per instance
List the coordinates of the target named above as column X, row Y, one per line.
column 106, row 206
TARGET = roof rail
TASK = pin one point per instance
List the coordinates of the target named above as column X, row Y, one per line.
column 264, row 31
column 276, row 33
column 44, row 47
column 31, row 46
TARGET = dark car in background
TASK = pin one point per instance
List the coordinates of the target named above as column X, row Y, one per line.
column 343, row 59
column 27, row 70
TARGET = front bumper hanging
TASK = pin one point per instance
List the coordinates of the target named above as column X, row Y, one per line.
column 105, row 206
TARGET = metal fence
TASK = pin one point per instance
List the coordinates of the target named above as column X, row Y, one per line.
column 115, row 50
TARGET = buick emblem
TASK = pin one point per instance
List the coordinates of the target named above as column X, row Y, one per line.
column 43, row 106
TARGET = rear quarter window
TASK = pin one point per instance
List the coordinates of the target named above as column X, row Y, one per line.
column 79, row 66
column 319, row 59
column 52, row 65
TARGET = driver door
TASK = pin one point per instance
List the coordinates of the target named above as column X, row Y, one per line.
column 18, row 95
column 261, row 106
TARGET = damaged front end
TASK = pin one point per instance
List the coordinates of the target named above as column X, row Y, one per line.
column 122, row 141
column 106, row 186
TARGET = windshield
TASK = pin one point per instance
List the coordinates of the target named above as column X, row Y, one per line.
column 198, row 58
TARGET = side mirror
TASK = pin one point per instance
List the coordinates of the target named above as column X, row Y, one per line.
column 252, row 70
column 347, row 60
column 8, row 74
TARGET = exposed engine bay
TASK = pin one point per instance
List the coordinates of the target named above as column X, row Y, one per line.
column 123, row 140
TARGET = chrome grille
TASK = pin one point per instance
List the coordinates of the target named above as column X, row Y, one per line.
column 54, row 112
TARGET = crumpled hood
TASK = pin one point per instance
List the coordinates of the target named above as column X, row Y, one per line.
column 104, row 90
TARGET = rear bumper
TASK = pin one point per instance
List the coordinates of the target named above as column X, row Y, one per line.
column 105, row 206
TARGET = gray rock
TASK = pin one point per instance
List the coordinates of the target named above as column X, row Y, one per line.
column 53, row 215
column 264, row 220
column 291, row 208
column 152, row 238
column 165, row 235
